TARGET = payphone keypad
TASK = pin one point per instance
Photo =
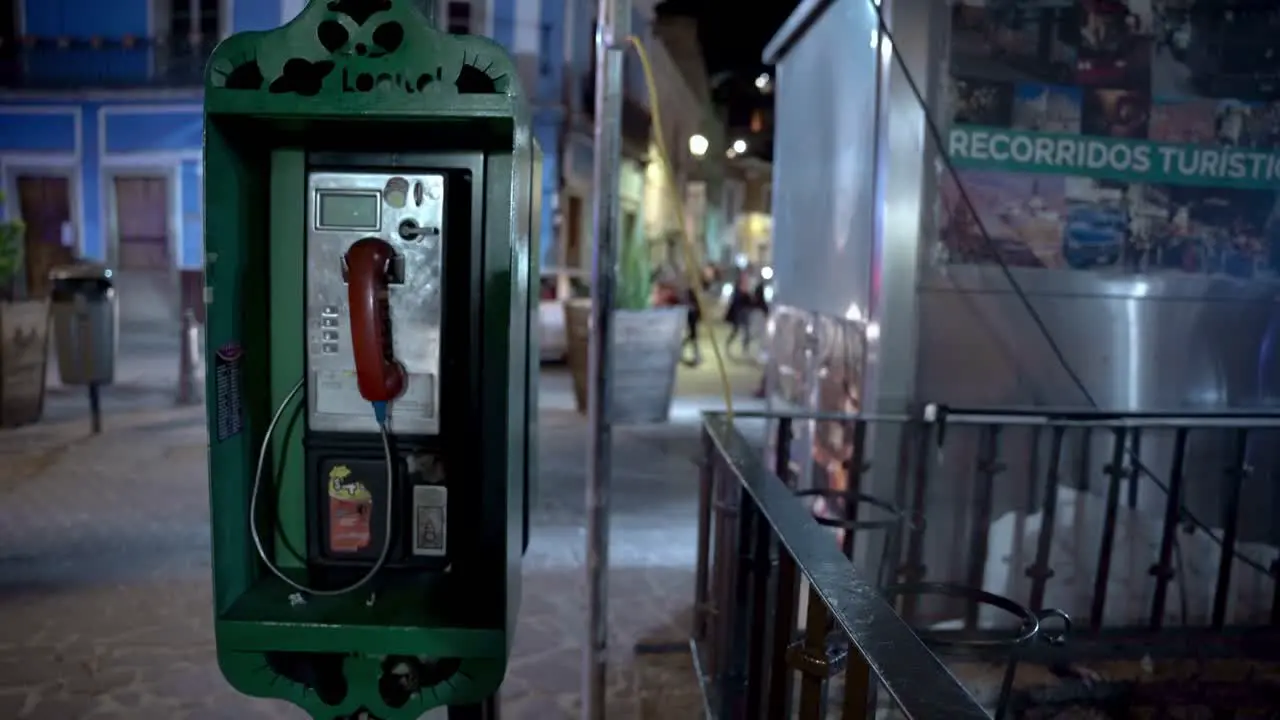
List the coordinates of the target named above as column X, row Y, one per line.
column 342, row 208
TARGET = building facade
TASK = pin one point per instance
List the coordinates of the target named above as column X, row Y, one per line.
column 101, row 128
column 748, row 205
column 100, row 137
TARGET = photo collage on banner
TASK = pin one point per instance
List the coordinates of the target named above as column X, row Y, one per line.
column 1116, row 135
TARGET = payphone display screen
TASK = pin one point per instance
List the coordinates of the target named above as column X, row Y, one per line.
column 348, row 210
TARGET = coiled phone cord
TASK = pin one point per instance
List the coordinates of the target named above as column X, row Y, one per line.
column 257, row 488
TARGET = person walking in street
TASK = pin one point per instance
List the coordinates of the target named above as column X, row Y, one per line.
column 691, row 328
column 738, row 314
column 761, row 304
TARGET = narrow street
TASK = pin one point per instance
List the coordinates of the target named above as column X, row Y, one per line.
column 104, row 559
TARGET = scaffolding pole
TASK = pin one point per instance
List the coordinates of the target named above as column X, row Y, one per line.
column 613, row 19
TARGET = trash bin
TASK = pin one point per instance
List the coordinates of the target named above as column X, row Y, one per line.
column 85, row 315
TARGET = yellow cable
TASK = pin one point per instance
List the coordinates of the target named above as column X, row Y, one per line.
column 691, row 260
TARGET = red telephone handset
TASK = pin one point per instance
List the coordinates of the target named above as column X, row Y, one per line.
column 368, row 266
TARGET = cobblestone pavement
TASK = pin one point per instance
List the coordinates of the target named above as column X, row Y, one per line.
column 105, row 607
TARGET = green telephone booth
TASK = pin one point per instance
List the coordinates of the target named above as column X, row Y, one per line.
column 371, row 207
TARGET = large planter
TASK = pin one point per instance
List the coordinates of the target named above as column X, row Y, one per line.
column 24, row 346
column 647, row 346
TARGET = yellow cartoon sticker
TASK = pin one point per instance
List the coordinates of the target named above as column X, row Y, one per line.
column 342, row 487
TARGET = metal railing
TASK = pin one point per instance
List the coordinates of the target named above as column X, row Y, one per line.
column 927, row 545
column 745, row 634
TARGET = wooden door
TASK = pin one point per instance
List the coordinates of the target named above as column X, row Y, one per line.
column 145, row 277
column 44, row 204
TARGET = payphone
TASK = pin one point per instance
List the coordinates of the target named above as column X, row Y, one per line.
column 371, row 240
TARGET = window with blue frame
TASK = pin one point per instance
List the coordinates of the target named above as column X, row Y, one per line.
column 194, row 21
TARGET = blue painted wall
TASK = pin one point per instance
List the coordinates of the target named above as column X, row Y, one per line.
column 136, row 131
column 117, row 18
column 133, row 128
column 545, row 94
column 172, row 138
column 93, row 234
column 86, row 18
column 43, row 132
column 165, row 138
column 192, row 215
column 252, row 14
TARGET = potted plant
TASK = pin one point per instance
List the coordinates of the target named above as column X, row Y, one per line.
column 24, row 335
column 647, row 341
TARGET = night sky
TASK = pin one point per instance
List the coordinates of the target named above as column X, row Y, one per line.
column 734, row 32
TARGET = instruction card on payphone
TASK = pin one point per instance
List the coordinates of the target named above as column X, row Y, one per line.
column 337, row 394
column 430, row 531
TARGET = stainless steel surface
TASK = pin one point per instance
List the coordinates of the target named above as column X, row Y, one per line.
column 613, row 25
column 960, row 335
column 1158, row 343
column 85, row 324
column 824, row 183
column 333, row 400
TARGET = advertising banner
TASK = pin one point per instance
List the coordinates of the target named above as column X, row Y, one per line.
column 1130, row 135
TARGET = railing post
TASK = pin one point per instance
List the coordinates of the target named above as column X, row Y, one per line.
column 1235, row 475
column 701, row 583
column 1115, row 472
column 1162, row 571
column 1135, row 469
column 811, row 658
column 1275, row 592
column 782, row 451
column 988, row 467
column 760, row 565
column 1040, row 572
column 733, row 684
column 787, row 592
column 855, row 466
column 913, row 569
column 725, row 505
column 857, row 687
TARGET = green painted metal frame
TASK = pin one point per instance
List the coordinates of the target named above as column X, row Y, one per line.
column 271, row 96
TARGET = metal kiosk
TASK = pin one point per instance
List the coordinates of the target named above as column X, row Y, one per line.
column 371, row 203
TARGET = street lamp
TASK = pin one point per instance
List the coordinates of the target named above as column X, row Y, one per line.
column 698, row 145
column 740, row 146
column 762, row 81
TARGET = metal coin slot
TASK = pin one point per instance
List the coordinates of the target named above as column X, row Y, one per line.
column 396, row 192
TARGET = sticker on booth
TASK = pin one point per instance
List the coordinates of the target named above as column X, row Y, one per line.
column 350, row 512
column 228, row 412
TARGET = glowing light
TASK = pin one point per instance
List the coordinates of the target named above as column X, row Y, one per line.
column 739, row 146
column 698, row 145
